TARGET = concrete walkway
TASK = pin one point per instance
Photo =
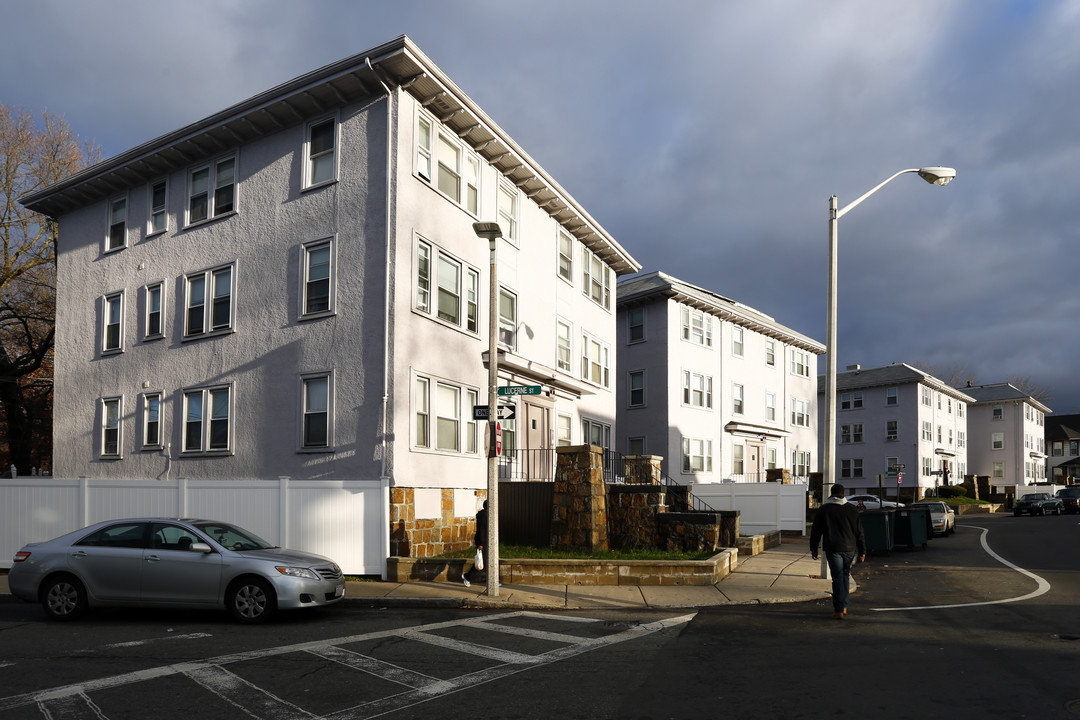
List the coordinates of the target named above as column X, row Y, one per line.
column 781, row 574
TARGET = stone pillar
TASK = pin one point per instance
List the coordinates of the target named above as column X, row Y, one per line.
column 642, row 469
column 579, row 507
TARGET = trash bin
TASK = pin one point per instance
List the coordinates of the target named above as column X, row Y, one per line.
column 911, row 524
column 878, row 530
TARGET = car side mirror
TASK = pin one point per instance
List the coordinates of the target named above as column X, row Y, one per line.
column 201, row 547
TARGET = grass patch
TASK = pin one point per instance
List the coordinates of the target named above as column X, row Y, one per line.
column 531, row 552
column 959, row 501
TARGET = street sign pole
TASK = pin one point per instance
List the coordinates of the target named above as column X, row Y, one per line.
column 492, row 549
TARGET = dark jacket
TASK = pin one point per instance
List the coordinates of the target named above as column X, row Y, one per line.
column 838, row 526
column 481, row 528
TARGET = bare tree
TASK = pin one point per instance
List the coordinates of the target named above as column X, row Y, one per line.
column 957, row 375
column 34, row 153
column 1030, row 388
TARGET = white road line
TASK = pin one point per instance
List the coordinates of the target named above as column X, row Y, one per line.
column 71, row 702
column 137, row 643
column 373, row 666
column 244, row 696
column 503, row 656
column 1042, row 586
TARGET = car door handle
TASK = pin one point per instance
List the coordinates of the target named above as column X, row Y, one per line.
column 152, row 558
column 79, row 554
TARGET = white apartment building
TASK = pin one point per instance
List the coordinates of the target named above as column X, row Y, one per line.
column 292, row 287
column 720, row 390
column 1008, row 436
column 893, row 416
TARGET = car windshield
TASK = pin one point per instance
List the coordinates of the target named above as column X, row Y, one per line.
column 233, row 537
column 1035, row 496
column 1069, row 492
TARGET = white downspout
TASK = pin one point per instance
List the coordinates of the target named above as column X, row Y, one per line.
column 384, row 477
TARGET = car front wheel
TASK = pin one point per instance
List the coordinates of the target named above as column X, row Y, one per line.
column 251, row 600
column 63, row 598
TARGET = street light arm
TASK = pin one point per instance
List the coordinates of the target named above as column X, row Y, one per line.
column 840, row 213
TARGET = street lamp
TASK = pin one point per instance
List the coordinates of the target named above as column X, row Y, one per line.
column 492, row 232
column 932, row 175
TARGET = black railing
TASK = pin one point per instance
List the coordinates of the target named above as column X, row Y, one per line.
column 527, row 465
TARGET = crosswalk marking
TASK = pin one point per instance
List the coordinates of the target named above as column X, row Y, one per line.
column 73, row 702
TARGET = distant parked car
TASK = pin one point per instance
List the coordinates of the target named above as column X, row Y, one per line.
column 872, row 502
column 1070, row 498
column 1038, row 504
column 942, row 516
column 158, row 562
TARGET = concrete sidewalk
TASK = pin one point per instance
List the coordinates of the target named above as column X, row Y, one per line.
column 785, row 573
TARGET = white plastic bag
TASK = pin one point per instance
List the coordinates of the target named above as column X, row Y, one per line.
column 478, row 563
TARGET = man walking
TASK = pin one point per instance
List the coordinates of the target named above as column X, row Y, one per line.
column 838, row 526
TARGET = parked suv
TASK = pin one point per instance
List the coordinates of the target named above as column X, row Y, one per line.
column 1070, row 498
column 1037, row 504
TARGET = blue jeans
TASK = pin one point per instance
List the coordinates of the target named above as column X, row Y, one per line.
column 840, row 568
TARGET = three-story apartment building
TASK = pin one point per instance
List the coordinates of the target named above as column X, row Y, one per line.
column 1008, row 436
column 292, row 287
column 898, row 416
column 720, row 390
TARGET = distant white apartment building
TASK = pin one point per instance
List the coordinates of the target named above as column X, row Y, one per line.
column 1063, row 445
column 1008, row 436
column 293, row 287
column 720, row 390
column 898, row 416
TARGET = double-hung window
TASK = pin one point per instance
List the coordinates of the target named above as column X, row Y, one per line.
column 445, row 162
column 207, row 420
column 443, row 416
column 321, row 164
column 117, row 237
column 154, row 324
column 800, row 363
column 209, row 306
column 151, row 424
column 448, row 417
column 891, row 430
column 997, row 441
column 112, row 339
column 111, row 409
column 508, row 211
column 697, row 390
column 635, row 318
column 564, row 351
column 211, row 190
column 696, row 455
column 696, row 326
column 595, row 361
column 158, row 220
column 446, row 288
column 927, row 430
column 737, row 341
column 318, row 279
column 891, row 396
column 800, row 413
column 770, row 352
column 316, row 411
column 566, row 256
column 450, row 168
column 637, row 388
column 770, row 406
column 508, row 319
column 737, row 399
column 596, row 277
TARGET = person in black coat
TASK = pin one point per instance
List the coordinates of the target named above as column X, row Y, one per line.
column 480, row 540
column 838, row 527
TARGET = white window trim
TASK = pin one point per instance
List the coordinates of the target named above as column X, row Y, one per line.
column 110, row 222
column 106, row 305
column 706, row 455
column 212, row 187
column 144, row 419
column 208, row 276
column 305, row 268
column 465, row 272
column 468, row 429
column 308, row 182
column 503, row 324
column 468, row 170
column 162, row 311
column 302, row 386
column 587, row 361
column 587, row 274
column 150, row 230
column 103, row 405
column 569, row 367
column 510, row 222
column 738, row 399
column 564, row 261
column 738, row 342
column 205, row 431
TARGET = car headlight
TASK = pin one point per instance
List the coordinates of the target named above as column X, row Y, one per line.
column 300, row 572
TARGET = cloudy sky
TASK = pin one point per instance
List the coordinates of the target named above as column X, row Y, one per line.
column 705, row 136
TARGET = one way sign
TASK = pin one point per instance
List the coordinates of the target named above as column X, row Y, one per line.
column 483, row 412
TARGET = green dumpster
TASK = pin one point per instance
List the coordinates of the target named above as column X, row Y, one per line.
column 878, row 530
column 911, row 524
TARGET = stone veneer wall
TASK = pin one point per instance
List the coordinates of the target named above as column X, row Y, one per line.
column 579, row 509
column 428, row 537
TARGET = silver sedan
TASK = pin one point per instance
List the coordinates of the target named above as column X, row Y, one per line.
column 171, row 563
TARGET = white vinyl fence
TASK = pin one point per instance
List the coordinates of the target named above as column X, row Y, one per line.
column 345, row 520
column 763, row 506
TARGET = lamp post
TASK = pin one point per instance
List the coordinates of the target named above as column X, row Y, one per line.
column 492, row 232
column 932, row 175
